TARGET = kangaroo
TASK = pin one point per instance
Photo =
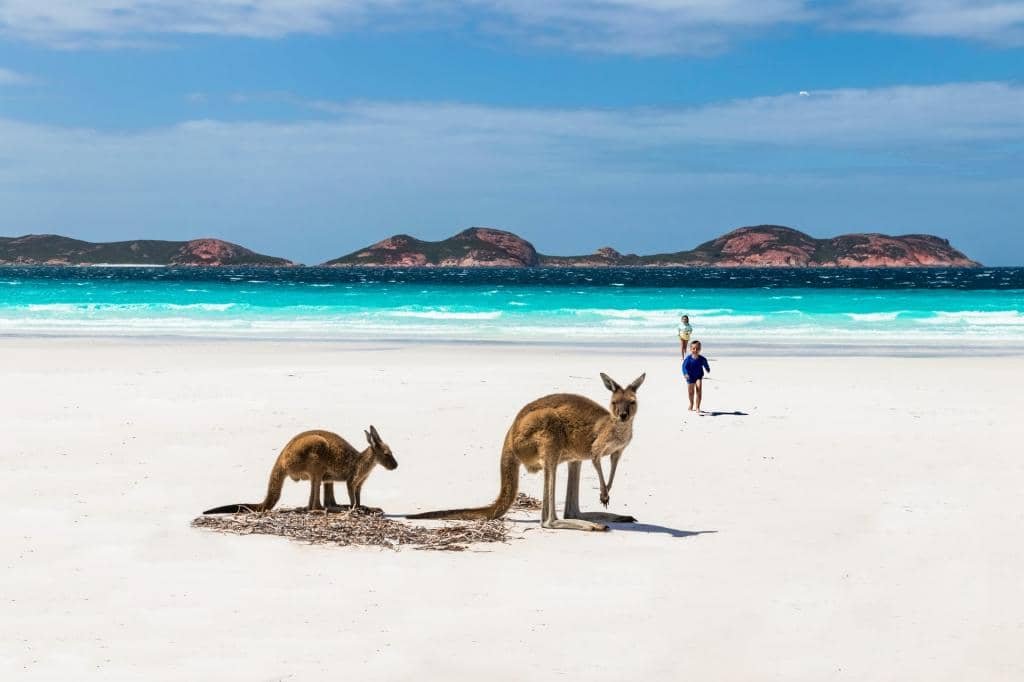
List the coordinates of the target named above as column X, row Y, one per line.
column 554, row 429
column 321, row 457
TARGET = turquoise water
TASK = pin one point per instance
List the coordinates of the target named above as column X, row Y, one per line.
column 892, row 307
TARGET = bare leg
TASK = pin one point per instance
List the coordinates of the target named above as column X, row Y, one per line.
column 549, row 517
column 690, row 389
column 700, row 391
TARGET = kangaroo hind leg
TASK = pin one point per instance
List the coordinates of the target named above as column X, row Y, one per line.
column 549, row 514
column 572, row 500
column 314, row 493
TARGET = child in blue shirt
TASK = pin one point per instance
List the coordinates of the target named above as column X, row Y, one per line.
column 693, row 371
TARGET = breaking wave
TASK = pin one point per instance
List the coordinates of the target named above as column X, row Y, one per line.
column 798, row 306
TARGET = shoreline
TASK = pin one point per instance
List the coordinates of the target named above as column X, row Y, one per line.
column 647, row 348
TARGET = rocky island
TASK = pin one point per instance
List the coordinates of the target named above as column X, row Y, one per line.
column 758, row 246
column 477, row 246
column 52, row 249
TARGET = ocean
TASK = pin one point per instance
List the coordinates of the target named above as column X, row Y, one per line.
column 771, row 307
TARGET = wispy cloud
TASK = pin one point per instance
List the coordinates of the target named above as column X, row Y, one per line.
column 379, row 139
column 933, row 152
column 645, row 27
column 893, row 117
column 8, row 77
column 959, row 119
column 642, row 27
column 993, row 21
column 117, row 22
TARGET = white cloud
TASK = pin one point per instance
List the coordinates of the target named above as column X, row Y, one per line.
column 56, row 21
column 994, row 21
column 8, row 77
column 377, row 149
column 642, row 27
column 378, row 139
column 886, row 159
column 835, row 119
column 645, row 27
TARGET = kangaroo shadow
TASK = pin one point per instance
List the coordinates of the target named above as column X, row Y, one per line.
column 654, row 528
column 631, row 527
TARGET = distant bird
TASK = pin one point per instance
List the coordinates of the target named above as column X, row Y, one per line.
column 804, row 93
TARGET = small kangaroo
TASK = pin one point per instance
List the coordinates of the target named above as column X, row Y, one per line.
column 561, row 428
column 321, row 457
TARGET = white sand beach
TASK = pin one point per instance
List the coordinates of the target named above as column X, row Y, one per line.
column 862, row 519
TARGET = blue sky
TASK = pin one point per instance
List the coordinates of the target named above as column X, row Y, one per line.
column 309, row 128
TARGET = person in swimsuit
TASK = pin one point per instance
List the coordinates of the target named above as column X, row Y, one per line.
column 694, row 367
column 685, row 331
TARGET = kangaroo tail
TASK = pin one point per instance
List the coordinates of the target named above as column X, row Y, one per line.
column 497, row 509
column 273, row 495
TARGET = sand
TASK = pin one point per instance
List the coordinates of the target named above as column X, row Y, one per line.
column 860, row 520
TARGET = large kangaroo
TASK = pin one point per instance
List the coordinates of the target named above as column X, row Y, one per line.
column 554, row 429
column 321, row 457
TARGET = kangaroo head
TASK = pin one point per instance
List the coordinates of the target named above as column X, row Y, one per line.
column 381, row 451
column 623, row 405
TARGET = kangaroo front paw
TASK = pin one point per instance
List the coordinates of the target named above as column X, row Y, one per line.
column 605, row 499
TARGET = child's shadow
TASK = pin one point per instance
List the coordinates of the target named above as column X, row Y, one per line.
column 734, row 413
column 653, row 528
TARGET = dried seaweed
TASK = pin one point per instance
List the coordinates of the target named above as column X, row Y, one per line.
column 526, row 503
column 362, row 529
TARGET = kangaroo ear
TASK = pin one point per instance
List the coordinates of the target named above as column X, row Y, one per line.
column 637, row 382
column 609, row 383
column 373, row 432
column 369, row 438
